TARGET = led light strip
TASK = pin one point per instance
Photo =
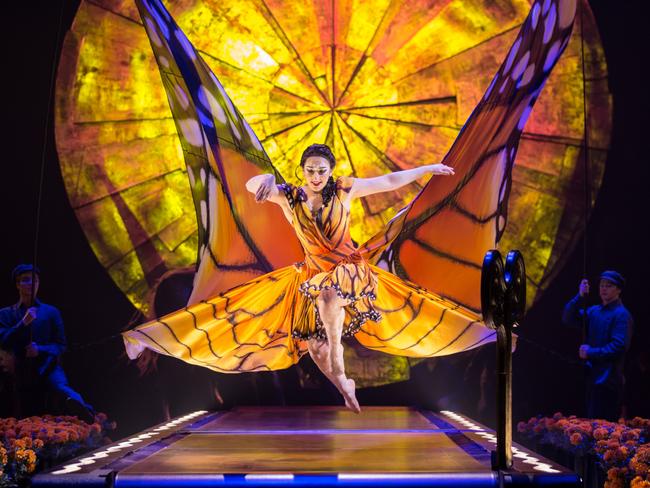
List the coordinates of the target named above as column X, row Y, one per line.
column 462, row 420
column 76, row 466
column 525, row 457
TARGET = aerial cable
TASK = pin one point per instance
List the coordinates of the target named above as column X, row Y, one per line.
column 39, row 193
column 585, row 163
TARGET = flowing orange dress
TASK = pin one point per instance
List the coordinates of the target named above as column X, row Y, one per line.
column 240, row 319
column 264, row 324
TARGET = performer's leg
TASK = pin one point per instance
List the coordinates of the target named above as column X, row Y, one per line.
column 76, row 405
column 319, row 352
column 330, row 309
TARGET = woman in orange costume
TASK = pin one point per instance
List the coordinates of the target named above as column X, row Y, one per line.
column 338, row 281
column 251, row 310
column 268, row 323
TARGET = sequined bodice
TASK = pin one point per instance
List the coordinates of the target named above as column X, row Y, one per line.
column 324, row 233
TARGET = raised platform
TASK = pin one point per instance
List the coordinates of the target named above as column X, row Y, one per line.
column 308, row 446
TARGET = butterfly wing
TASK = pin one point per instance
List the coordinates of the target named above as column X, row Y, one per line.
column 237, row 238
column 438, row 241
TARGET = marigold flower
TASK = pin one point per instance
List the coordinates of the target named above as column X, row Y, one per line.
column 600, row 433
column 631, row 434
column 615, row 483
column 639, row 482
column 612, row 473
column 612, row 444
column 563, row 423
column 576, row 439
column 643, row 453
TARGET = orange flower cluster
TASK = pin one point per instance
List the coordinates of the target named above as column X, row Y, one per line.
column 616, row 478
column 572, row 433
column 639, row 482
column 619, row 445
column 4, row 459
column 26, row 460
column 48, row 429
column 52, row 438
column 640, row 465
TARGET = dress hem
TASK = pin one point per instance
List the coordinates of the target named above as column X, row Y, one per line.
column 355, row 324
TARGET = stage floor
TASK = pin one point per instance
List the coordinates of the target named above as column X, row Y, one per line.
column 308, row 446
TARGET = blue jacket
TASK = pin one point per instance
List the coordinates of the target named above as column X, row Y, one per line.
column 609, row 331
column 46, row 331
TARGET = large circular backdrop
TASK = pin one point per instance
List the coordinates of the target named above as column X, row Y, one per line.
column 387, row 83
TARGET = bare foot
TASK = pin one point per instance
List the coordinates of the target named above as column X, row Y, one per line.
column 349, row 395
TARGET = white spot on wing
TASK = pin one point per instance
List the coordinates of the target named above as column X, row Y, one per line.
column 151, row 30
column 535, row 15
column 191, row 132
column 190, row 175
column 204, row 214
column 212, row 105
column 182, row 96
column 235, row 130
column 552, row 55
column 567, row 10
column 527, row 76
column 511, row 56
column 160, row 22
column 549, row 25
column 521, row 65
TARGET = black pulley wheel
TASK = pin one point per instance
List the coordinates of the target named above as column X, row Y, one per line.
column 493, row 289
column 515, row 280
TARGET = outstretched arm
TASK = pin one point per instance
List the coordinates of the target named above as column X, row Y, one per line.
column 575, row 309
column 264, row 188
column 392, row 181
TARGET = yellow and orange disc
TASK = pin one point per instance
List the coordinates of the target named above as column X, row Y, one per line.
column 387, row 83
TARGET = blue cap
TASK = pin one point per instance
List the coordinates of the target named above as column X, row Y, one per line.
column 24, row 268
column 615, row 277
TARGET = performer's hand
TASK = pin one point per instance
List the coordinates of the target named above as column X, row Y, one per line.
column 584, row 288
column 265, row 188
column 31, row 351
column 30, row 315
column 583, row 351
column 441, row 169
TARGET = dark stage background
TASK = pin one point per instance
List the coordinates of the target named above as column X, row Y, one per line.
column 547, row 376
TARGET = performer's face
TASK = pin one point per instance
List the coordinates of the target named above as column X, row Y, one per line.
column 24, row 283
column 316, row 171
column 608, row 291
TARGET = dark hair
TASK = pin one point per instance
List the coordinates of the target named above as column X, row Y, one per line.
column 321, row 150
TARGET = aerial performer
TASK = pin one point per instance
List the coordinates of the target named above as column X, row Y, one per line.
column 279, row 280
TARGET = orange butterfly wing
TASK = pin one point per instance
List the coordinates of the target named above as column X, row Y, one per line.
column 237, row 238
column 438, row 241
